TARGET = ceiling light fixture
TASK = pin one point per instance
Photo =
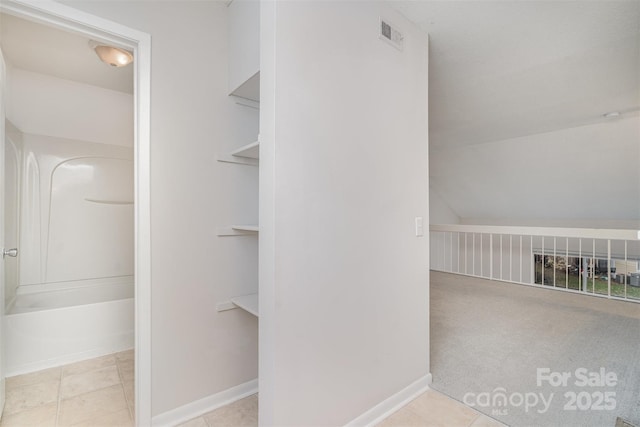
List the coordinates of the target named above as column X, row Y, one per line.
column 611, row 115
column 113, row 56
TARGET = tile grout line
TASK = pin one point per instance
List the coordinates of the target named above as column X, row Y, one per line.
column 59, row 400
column 126, row 398
column 478, row 414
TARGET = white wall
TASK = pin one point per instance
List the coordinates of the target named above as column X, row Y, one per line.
column 344, row 291
column 585, row 176
column 439, row 211
column 196, row 351
column 44, row 105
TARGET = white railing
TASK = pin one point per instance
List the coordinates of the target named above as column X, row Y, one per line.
column 598, row 262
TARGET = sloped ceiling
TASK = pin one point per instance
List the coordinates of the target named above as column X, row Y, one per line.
column 583, row 173
column 504, row 69
column 517, row 94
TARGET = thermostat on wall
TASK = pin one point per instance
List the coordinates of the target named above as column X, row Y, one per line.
column 390, row 34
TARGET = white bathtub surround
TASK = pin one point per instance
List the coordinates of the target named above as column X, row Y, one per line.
column 67, row 294
column 74, row 326
column 76, row 210
column 74, row 295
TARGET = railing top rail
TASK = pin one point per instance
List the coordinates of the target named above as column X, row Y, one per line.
column 586, row 233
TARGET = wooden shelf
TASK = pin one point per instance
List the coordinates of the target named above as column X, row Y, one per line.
column 248, row 303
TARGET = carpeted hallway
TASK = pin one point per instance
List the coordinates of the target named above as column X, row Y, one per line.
column 489, row 339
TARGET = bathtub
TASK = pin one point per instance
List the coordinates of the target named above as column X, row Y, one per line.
column 77, row 321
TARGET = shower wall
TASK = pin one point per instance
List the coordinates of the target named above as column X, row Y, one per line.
column 12, row 156
column 75, row 212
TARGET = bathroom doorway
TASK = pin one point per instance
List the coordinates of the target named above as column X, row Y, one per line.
column 59, row 160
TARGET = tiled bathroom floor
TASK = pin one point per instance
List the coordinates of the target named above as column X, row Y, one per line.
column 94, row 392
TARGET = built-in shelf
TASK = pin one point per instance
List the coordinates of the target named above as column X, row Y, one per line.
column 244, row 89
column 248, row 303
column 245, row 155
column 248, row 103
column 249, row 89
column 110, row 202
column 251, row 151
column 253, row 228
column 237, row 230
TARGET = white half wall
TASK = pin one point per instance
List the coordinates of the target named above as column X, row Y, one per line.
column 344, row 288
column 39, row 104
column 585, row 176
column 196, row 352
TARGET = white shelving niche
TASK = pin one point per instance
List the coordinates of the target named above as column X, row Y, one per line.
column 248, row 303
column 246, row 155
column 244, row 87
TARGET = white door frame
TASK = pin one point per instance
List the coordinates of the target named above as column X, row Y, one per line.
column 3, row 87
column 61, row 16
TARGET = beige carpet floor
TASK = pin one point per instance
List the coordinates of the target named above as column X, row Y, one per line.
column 552, row 355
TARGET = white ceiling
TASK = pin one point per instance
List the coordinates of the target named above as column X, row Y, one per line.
column 503, row 69
column 46, row 50
column 498, row 69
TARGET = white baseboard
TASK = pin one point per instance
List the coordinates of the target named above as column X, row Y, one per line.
column 390, row 405
column 120, row 343
column 207, row 404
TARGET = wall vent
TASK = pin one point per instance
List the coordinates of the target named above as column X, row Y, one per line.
column 390, row 34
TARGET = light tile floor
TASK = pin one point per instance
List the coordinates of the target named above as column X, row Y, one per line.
column 99, row 393
column 94, row 392
column 429, row 409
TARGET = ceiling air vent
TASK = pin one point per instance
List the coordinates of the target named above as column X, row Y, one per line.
column 390, row 34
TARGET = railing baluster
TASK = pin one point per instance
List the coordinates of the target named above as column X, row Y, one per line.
column 445, row 252
column 459, row 252
column 473, row 254
column 580, row 266
column 554, row 261
column 481, row 264
column 532, row 275
column 501, row 278
column 542, row 283
column 521, row 258
column 491, row 256
column 511, row 257
column 566, row 265
column 625, row 269
column 609, row 267
column 593, row 269
column 451, row 248
column 466, row 270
